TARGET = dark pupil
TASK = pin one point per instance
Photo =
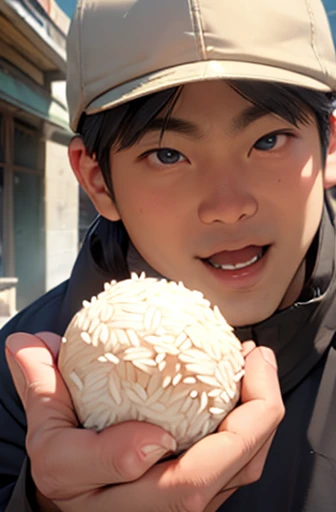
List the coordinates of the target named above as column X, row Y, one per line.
column 266, row 143
column 168, row 156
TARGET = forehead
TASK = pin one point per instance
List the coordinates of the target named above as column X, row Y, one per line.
column 203, row 105
column 239, row 103
column 208, row 97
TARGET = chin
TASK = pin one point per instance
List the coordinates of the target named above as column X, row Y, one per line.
column 247, row 317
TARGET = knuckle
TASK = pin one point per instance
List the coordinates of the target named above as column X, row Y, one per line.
column 244, row 445
column 124, row 467
column 34, row 443
column 273, row 412
column 46, row 480
column 192, row 502
column 46, row 473
column 252, row 473
column 276, row 410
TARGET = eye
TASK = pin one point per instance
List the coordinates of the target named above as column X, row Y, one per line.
column 165, row 156
column 271, row 141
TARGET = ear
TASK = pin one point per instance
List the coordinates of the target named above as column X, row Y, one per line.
column 90, row 177
column 330, row 169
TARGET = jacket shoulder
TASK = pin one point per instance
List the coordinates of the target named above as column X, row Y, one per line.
column 41, row 315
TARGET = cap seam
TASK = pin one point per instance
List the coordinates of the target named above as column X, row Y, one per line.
column 195, row 12
column 313, row 36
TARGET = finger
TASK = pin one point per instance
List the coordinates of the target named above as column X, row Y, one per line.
column 60, row 452
column 252, row 471
column 85, row 461
column 261, row 394
column 244, row 432
column 247, row 347
column 218, row 500
column 42, row 381
column 51, row 340
column 192, row 481
column 249, row 474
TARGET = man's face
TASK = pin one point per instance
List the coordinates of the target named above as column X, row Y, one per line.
column 226, row 203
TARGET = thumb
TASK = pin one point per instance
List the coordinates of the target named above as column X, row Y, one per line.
column 18, row 349
column 33, row 367
column 128, row 450
column 51, row 340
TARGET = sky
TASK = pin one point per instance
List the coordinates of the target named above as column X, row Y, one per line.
column 68, row 6
column 330, row 5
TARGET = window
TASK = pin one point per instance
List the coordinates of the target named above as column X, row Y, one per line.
column 27, row 147
column 22, row 224
column 1, row 222
column 2, row 206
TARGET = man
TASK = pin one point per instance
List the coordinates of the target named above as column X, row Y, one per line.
column 205, row 132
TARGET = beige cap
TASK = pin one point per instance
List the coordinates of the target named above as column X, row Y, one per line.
column 119, row 50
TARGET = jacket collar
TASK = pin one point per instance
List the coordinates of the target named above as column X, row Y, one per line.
column 301, row 333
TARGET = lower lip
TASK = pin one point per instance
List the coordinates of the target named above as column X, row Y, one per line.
column 241, row 278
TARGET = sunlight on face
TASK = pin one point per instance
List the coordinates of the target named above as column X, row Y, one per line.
column 228, row 202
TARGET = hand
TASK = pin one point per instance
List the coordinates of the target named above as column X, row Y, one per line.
column 81, row 470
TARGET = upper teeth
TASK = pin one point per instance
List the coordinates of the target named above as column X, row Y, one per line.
column 237, row 265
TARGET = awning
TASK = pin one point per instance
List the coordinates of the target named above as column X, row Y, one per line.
column 28, row 98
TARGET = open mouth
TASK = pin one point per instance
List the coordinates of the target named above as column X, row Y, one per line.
column 245, row 258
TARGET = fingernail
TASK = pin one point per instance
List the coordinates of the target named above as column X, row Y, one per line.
column 154, row 452
column 247, row 347
column 269, row 357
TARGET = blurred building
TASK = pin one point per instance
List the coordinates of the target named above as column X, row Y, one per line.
column 38, row 194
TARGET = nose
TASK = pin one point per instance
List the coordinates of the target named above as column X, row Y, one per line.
column 227, row 202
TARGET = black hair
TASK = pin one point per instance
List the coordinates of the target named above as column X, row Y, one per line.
column 122, row 126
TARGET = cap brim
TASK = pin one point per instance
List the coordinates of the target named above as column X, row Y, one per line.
column 199, row 71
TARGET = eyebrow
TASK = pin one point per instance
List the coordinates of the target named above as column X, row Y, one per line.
column 175, row 124
column 248, row 116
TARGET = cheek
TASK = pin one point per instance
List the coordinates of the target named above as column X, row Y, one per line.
column 305, row 188
column 152, row 204
column 300, row 206
column 298, row 180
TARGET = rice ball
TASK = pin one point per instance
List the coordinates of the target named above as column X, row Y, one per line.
column 150, row 350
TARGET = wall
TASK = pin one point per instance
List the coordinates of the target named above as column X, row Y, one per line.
column 61, row 203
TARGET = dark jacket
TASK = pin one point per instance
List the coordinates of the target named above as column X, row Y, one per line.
column 300, row 473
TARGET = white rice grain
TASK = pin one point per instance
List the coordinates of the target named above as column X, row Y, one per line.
column 189, row 380
column 166, row 381
column 133, row 338
column 215, row 411
column 177, row 379
column 74, row 377
column 112, row 358
column 86, row 337
column 211, row 381
column 160, row 357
